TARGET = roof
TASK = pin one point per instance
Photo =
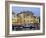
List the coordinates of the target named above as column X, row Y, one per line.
column 26, row 12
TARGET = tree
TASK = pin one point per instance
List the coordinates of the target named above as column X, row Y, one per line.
column 13, row 13
column 39, row 19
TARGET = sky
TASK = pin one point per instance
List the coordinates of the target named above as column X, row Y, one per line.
column 35, row 10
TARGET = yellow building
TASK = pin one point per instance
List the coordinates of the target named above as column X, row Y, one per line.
column 25, row 18
column 16, row 20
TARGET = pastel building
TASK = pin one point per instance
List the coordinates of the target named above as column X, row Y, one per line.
column 25, row 17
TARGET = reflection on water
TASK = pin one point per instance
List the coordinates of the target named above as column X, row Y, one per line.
column 26, row 27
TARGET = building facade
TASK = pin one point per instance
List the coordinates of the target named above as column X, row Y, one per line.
column 25, row 17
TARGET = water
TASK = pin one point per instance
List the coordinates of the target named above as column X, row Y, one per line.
column 26, row 27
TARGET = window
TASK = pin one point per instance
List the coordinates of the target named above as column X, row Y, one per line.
column 24, row 20
column 27, row 14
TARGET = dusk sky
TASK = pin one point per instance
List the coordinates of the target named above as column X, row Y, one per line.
column 35, row 10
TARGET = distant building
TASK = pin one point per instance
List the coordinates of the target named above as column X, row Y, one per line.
column 26, row 17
